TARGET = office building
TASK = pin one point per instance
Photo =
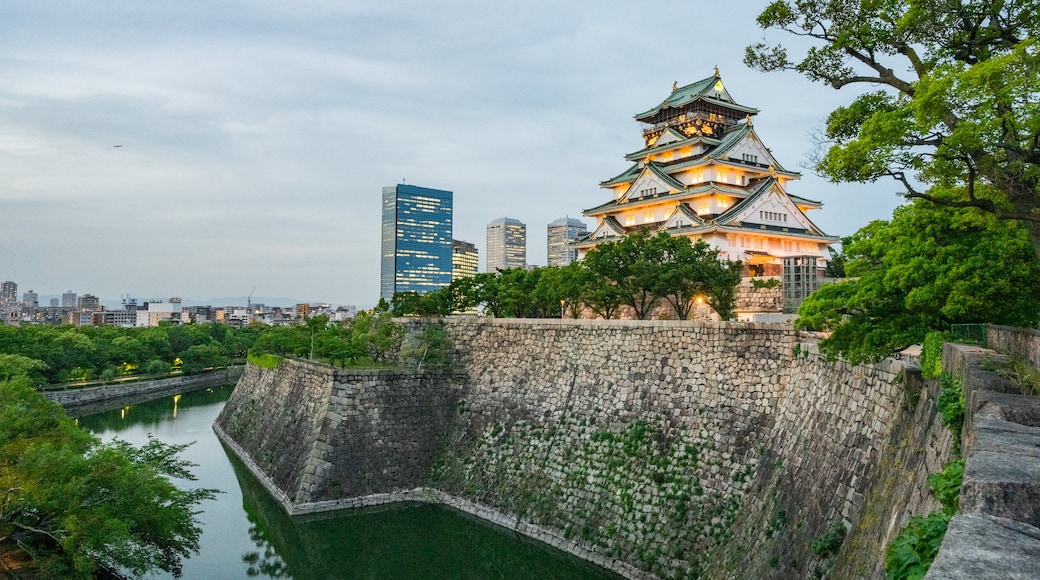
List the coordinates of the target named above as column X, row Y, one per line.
column 31, row 299
column 8, row 292
column 88, row 302
column 465, row 260
column 416, row 240
column 68, row 299
column 560, row 234
column 506, row 244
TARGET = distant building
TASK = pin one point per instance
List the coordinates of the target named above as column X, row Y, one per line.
column 54, row 302
column 8, row 292
column 151, row 313
column 416, row 240
column 560, row 235
column 31, row 299
column 506, row 244
column 68, row 299
column 464, row 260
column 88, row 302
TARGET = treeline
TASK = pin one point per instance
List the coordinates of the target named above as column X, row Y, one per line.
column 60, row 354
column 371, row 339
column 636, row 271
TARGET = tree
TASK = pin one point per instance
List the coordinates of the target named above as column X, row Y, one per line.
column 691, row 270
column 78, row 506
column 377, row 335
column 928, row 268
column 201, row 357
column 427, row 348
column 958, row 102
column 488, row 291
column 632, row 264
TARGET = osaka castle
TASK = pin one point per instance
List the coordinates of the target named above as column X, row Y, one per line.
column 703, row 172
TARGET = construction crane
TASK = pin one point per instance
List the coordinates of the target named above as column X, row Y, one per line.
column 249, row 306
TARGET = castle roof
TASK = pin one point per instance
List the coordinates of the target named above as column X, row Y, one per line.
column 710, row 90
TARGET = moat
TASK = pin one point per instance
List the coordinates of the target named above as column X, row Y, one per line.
column 247, row 535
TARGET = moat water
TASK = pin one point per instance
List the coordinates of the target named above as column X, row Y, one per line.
column 247, row 535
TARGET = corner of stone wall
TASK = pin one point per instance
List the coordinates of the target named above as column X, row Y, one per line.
column 996, row 533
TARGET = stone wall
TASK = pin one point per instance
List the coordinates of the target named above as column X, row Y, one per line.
column 665, row 448
column 1021, row 343
column 326, row 435
column 751, row 299
column 99, row 398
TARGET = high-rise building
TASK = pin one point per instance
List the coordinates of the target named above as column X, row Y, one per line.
column 417, row 243
column 88, row 302
column 703, row 172
column 506, row 244
column 464, row 260
column 31, row 299
column 560, row 235
column 8, row 292
column 68, row 299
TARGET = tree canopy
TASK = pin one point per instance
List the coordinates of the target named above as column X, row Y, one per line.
column 638, row 270
column 78, row 506
column 954, row 102
column 67, row 353
column 927, row 268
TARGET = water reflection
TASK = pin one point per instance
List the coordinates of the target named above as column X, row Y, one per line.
column 247, row 534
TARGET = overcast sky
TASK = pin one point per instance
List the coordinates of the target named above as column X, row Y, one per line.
column 255, row 137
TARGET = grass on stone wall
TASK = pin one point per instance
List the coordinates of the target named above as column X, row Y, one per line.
column 267, row 361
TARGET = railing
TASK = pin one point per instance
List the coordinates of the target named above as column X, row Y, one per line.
column 969, row 333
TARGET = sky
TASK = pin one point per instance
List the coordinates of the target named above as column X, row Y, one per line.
column 201, row 149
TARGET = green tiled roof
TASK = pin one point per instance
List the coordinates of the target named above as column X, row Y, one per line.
column 671, row 145
column 626, row 175
column 701, row 89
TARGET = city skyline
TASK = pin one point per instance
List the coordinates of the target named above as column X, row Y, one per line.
column 250, row 143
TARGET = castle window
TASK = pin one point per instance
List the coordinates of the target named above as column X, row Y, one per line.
column 703, row 208
column 747, row 157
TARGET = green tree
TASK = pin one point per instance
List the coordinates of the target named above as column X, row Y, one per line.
column 926, row 269
column 377, row 335
column 201, row 357
column 632, row 264
column 78, row 506
column 957, row 103
column 487, row 291
column 691, row 270
column 428, row 348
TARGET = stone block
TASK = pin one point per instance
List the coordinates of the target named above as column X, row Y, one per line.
column 981, row 547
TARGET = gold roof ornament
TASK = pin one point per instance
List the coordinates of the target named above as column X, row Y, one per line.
column 675, row 85
column 748, row 119
column 772, row 171
column 717, row 71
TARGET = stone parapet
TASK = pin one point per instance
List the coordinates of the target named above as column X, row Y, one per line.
column 996, row 533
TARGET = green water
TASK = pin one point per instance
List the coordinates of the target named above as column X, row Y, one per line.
column 247, row 535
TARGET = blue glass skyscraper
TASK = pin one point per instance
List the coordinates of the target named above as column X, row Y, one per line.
column 416, row 248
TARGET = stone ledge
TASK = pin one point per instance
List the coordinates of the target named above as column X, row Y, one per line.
column 978, row 547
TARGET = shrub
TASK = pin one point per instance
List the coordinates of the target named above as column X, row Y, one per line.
column 828, row 543
column 931, row 354
column 946, row 485
column 910, row 554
